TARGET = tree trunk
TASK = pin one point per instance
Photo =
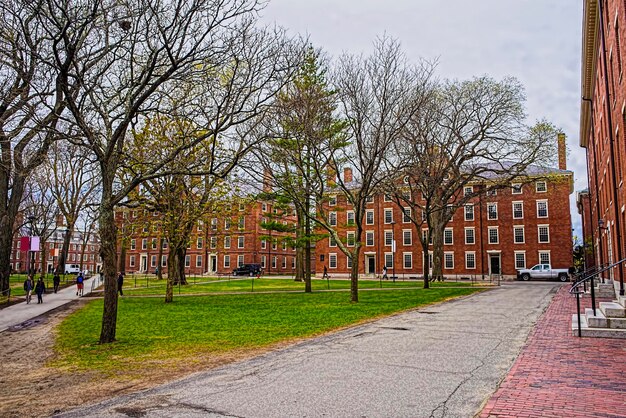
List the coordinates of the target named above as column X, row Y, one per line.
column 67, row 237
column 6, row 247
column 159, row 264
column 180, row 254
column 108, row 252
column 425, row 264
column 354, row 275
column 173, row 270
column 437, row 227
column 121, row 262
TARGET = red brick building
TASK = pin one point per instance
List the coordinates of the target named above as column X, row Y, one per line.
column 512, row 228
column 603, row 127
column 218, row 244
column 583, row 204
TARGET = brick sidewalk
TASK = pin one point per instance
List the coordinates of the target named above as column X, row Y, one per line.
column 558, row 375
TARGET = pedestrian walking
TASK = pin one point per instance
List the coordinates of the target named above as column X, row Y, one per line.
column 325, row 275
column 120, row 283
column 385, row 277
column 40, row 289
column 56, row 280
column 29, row 285
column 79, row 284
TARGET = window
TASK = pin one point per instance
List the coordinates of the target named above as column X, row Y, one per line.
column 227, row 223
column 198, row 261
column 469, row 212
column 240, row 261
column 492, row 211
column 153, row 260
column 274, row 244
column 468, row 190
column 284, row 245
column 332, row 261
column 263, row 243
column 199, row 226
column 264, row 207
column 407, row 260
column 407, row 237
column 242, row 207
column 350, row 217
column 263, row 260
column 544, row 257
column 406, row 215
column 226, row 261
column 350, row 239
column 447, row 236
column 163, row 261
column 133, row 244
column 388, row 238
column 542, row 208
column 214, row 224
column 541, row 187
column 388, row 216
column 518, row 234
column 520, row 260
column 516, row 188
column 332, row 218
column 448, row 261
column 242, row 222
column 213, row 242
column 284, row 264
column 349, row 262
column 425, row 235
column 492, row 192
column 332, row 242
column 518, row 210
column 387, row 198
column 369, row 199
column 188, row 261
column 470, row 237
column 144, row 244
column 332, row 200
column 227, row 242
column 544, row 233
column 369, row 217
column 131, row 261
column 369, row 238
column 240, row 241
column 470, row 260
column 164, row 244
column 493, row 235
column 389, row 260
column 199, row 243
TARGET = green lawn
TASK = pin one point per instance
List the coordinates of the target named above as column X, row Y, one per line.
column 152, row 334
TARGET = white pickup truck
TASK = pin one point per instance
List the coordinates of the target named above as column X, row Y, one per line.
column 543, row 272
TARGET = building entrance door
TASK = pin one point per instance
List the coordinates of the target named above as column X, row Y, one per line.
column 213, row 263
column 370, row 264
column 494, row 264
column 143, row 263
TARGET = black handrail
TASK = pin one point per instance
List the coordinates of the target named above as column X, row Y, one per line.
column 588, row 276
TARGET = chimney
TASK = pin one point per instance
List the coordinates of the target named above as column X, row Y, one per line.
column 347, row 175
column 267, row 181
column 562, row 152
column 331, row 176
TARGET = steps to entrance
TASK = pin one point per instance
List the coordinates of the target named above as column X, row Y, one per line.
column 608, row 322
column 587, row 331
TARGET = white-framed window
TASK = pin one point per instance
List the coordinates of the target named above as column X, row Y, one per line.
column 332, row 200
column 213, row 243
column 199, row 225
column 275, row 244
column 332, row 260
column 144, row 244
column 369, row 238
column 543, row 234
column 293, row 263
column 131, row 261
column 163, row 261
column 198, row 261
column 518, row 210
column 541, row 187
column 153, row 261
column 264, row 207
column 240, row 260
column 449, row 212
column 369, row 217
column 388, row 238
column 263, row 243
column 468, row 190
column 332, row 218
column 227, row 223
column 284, row 264
column 133, row 244
column 350, row 217
column 241, row 224
column 348, row 262
column 492, row 211
column 389, row 260
column 226, row 261
column 214, row 224
column 387, row 198
column 227, row 242
column 134, row 214
column 199, row 243
column 470, row 236
column 518, row 234
column 520, row 260
column 388, row 216
column 264, row 223
column 332, row 242
column 242, row 207
column 492, row 233
column 470, row 260
column 369, row 199
column 492, row 192
column 448, row 236
column 263, row 261
column 516, row 188
column 406, row 215
column 350, row 239
column 240, row 241
column 407, row 237
column 407, row 260
column 188, row 261
column 542, row 208
column 544, row 257
column 448, row 260
column 469, row 212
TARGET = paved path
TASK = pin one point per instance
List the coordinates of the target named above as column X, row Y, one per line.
column 441, row 361
column 22, row 312
column 558, row 375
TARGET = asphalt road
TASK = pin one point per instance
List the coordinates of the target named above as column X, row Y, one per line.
column 441, row 361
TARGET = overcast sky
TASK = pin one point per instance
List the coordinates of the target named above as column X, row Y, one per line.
column 536, row 41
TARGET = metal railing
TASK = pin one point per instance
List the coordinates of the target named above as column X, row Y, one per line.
column 581, row 279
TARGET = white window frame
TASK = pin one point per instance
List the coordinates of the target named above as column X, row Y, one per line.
column 332, row 218
column 350, row 218
column 332, row 260
column 227, row 241
column 240, row 260
column 515, row 229
column 388, row 212
column 332, row 200
column 198, row 261
column 521, row 204
column 241, row 241
column 407, row 233
column 516, row 188
column 473, row 233
column 469, row 210
column 473, row 254
column 489, row 212
column 541, row 202
column 407, row 257
column 446, row 235
column 350, row 238
column 406, row 215
column 539, row 189
column 369, row 220
column 227, row 261
column 368, row 235
column 388, row 234
column 539, row 227
column 467, row 190
column 389, row 260
column 493, row 228
column 515, row 260
column 448, row 256
column 544, row 252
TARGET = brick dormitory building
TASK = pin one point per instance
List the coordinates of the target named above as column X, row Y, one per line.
column 512, row 228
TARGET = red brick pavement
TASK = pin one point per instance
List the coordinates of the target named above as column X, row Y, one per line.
column 558, row 375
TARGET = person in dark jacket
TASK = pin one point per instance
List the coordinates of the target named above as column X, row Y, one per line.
column 29, row 285
column 56, row 280
column 120, row 283
column 40, row 288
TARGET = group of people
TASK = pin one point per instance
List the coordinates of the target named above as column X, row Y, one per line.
column 39, row 288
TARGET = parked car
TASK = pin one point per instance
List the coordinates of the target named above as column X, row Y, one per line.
column 543, row 272
column 247, row 270
column 72, row 269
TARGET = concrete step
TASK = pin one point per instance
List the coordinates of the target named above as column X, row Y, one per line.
column 612, row 310
column 596, row 321
column 587, row 331
column 605, row 290
column 621, row 300
column 617, row 323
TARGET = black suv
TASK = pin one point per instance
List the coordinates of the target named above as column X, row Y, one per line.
column 247, row 270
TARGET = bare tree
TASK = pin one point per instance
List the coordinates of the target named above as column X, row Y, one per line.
column 469, row 133
column 123, row 61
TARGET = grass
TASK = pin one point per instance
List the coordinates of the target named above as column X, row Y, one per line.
column 151, row 333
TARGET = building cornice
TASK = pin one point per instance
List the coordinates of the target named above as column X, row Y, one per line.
column 589, row 60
